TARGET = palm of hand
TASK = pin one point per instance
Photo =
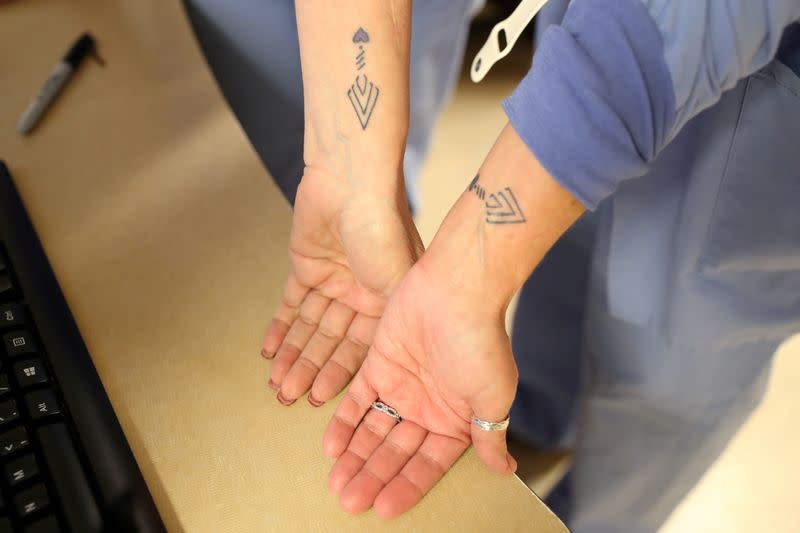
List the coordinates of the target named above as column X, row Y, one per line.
column 347, row 252
column 437, row 362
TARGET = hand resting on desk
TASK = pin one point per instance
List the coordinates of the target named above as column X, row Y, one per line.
column 348, row 250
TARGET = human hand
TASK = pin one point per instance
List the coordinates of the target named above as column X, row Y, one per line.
column 440, row 357
column 441, row 354
column 349, row 248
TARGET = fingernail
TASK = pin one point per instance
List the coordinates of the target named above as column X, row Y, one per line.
column 267, row 355
column 313, row 401
column 272, row 385
column 283, row 400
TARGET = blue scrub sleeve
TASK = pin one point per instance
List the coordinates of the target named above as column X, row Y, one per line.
column 617, row 80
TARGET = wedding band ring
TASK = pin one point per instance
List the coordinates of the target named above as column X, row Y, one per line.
column 383, row 408
column 485, row 425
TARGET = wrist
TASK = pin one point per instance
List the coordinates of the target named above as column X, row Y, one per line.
column 357, row 166
column 355, row 88
column 501, row 227
column 384, row 185
column 458, row 259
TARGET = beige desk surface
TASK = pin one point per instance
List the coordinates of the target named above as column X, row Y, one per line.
column 168, row 239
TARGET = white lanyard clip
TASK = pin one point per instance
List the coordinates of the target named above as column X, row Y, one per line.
column 503, row 37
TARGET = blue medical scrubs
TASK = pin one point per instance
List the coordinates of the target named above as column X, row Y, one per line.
column 645, row 337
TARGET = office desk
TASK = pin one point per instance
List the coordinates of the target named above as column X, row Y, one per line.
column 168, row 239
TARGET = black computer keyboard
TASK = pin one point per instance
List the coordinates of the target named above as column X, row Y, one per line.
column 64, row 462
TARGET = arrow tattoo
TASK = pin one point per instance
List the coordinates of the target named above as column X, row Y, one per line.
column 363, row 94
column 502, row 206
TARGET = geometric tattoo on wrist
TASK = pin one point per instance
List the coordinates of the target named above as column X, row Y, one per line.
column 501, row 206
column 363, row 94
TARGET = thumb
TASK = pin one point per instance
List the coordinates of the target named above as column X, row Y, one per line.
column 491, row 445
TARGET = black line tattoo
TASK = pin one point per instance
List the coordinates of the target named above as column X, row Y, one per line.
column 363, row 94
column 480, row 192
column 502, row 206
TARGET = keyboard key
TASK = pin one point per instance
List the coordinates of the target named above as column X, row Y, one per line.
column 4, row 386
column 41, row 404
column 69, row 479
column 12, row 315
column 31, row 500
column 31, row 372
column 8, row 412
column 5, row 525
column 48, row 524
column 13, row 440
column 21, row 470
column 6, row 285
column 19, row 343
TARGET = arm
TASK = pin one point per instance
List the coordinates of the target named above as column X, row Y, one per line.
column 597, row 107
column 354, row 57
column 441, row 353
column 699, row 48
column 511, row 214
column 352, row 236
column 500, row 228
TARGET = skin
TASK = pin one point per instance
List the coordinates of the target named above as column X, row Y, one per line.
column 352, row 237
column 425, row 334
column 441, row 354
column 347, row 255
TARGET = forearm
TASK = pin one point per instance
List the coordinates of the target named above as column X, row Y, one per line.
column 354, row 56
column 502, row 225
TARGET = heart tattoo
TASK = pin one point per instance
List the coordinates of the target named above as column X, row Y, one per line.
column 360, row 36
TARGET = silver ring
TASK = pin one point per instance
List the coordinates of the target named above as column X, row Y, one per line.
column 383, row 408
column 485, row 425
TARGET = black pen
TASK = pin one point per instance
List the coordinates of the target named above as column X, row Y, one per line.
column 61, row 74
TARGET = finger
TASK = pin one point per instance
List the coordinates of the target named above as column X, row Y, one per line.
column 382, row 466
column 369, row 434
column 284, row 315
column 332, row 329
column 432, row 460
column 355, row 403
column 346, row 359
column 491, row 446
column 492, row 449
column 304, row 326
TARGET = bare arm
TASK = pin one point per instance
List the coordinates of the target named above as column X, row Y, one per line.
column 352, row 236
column 355, row 56
column 510, row 215
column 441, row 355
